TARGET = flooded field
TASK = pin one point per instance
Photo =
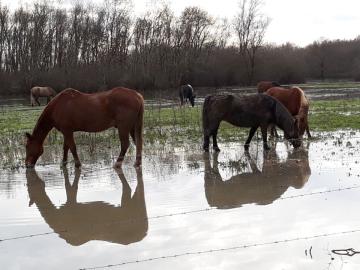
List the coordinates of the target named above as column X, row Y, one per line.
column 286, row 209
column 184, row 209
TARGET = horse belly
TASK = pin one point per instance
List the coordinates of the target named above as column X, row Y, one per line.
column 244, row 119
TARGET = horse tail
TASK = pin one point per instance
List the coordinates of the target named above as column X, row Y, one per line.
column 205, row 115
column 303, row 113
column 32, row 98
column 138, row 132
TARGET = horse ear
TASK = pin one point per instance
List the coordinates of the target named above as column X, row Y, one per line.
column 28, row 135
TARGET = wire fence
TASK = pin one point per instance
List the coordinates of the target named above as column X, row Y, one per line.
column 230, row 248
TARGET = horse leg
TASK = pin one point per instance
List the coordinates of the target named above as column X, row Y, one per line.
column 264, row 137
column 251, row 135
column 181, row 100
column 65, row 156
column 274, row 131
column 37, row 101
column 47, row 100
column 69, row 141
column 307, row 130
column 132, row 134
column 206, row 142
column 124, row 141
column 211, row 131
column 138, row 135
column 214, row 136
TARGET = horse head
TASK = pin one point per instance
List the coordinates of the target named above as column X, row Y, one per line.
column 293, row 135
column 34, row 150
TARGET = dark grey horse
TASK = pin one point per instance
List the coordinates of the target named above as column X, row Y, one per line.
column 247, row 111
column 186, row 93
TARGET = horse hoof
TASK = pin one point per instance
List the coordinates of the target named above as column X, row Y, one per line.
column 137, row 164
column 206, row 149
column 266, row 147
column 216, row 149
column 77, row 164
column 118, row 164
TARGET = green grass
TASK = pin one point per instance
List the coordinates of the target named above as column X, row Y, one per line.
column 163, row 127
column 180, row 125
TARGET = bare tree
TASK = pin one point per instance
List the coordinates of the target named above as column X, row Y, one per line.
column 250, row 27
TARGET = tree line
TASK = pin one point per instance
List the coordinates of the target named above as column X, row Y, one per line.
column 93, row 48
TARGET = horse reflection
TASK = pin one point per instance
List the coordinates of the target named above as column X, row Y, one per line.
column 259, row 187
column 78, row 223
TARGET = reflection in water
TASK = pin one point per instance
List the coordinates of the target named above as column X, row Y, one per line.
column 79, row 223
column 260, row 187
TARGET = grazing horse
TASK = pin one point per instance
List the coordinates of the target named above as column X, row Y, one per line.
column 186, row 92
column 257, row 186
column 78, row 223
column 265, row 85
column 247, row 111
column 72, row 111
column 39, row 91
column 297, row 104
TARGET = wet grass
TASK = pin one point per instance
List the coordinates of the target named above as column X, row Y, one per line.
column 179, row 125
column 330, row 85
column 163, row 127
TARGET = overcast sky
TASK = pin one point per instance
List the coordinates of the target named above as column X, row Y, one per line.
column 296, row 21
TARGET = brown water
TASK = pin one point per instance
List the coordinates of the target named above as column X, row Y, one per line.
column 187, row 210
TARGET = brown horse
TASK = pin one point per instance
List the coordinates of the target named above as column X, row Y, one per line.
column 72, row 111
column 297, row 104
column 265, row 85
column 38, row 91
column 251, row 111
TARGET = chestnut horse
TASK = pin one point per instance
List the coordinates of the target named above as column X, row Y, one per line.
column 251, row 111
column 297, row 104
column 265, row 85
column 72, row 111
column 38, row 91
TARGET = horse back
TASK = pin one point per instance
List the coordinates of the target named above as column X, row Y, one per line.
column 290, row 98
column 78, row 111
column 243, row 111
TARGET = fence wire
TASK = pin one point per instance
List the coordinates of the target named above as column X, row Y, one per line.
column 232, row 248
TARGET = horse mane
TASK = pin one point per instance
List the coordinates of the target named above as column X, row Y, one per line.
column 40, row 122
